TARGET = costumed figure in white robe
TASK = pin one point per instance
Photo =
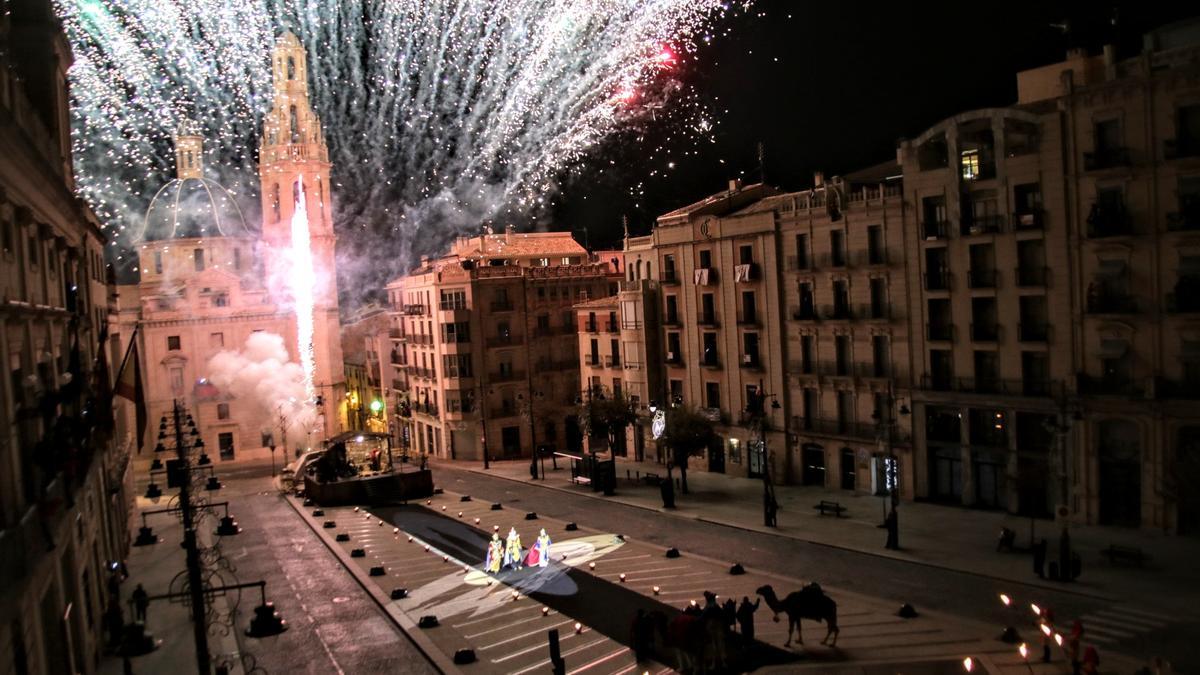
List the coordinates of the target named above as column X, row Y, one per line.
column 539, row 553
column 512, row 549
column 495, row 554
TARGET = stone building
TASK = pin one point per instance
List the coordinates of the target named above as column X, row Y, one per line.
column 485, row 340
column 207, row 280
column 364, row 344
column 65, row 484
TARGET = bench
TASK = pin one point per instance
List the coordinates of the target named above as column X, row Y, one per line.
column 652, row 479
column 827, row 507
column 1131, row 554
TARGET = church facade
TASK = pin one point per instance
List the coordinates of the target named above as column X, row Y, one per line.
column 208, row 281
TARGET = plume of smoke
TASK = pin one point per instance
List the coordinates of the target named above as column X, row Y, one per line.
column 269, row 388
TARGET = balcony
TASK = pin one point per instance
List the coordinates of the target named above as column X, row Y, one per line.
column 836, row 259
column 611, row 326
column 983, row 278
column 420, row 339
column 399, row 385
column 705, row 276
column 1108, row 386
column 939, row 332
column 426, row 409
column 797, row 263
column 873, row 371
column 669, row 277
column 974, row 225
column 396, row 334
column 985, row 332
column 507, row 375
column 1180, row 148
column 674, row 358
column 1029, row 219
column 750, row 362
column 708, row 320
column 593, row 361
column 612, row 361
column 632, row 365
column 938, row 382
column 1108, row 221
column 835, row 427
column 937, row 280
column 747, row 319
column 504, row 341
column 746, row 273
column 671, row 320
column 1107, row 303
column 1033, row 332
column 591, row 327
column 837, row 312
column 1031, row 277
column 414, row 310
column 935, row 229
column 992, row 386
column 399, row 359
column 1106, row 158
column 873, row 257
column 501, row 305
column 804, row 313
column 874, row 311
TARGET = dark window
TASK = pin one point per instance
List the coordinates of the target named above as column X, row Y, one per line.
column 711, row 356
column 745, row 255
column 712, row 394
column 801, row 252
column 676, row 391
column 837, row 248
column 173, row 343
column 198, row 259
column 222, row 411
column 806, row 354
column 672, row 309
column 876, row 253
column 842, row 354
column 705, row 259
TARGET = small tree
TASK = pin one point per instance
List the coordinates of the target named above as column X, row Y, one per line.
column 688, row 434
column 605, row 413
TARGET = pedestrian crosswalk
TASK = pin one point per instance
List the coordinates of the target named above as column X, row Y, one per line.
column 1119, row 623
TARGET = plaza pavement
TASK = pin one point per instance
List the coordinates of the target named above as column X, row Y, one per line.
column 503, row 619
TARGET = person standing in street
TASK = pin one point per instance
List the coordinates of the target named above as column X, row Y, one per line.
column 745, row 618
column 141, row 600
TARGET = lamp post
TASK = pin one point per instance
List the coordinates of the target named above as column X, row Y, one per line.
column 1061, row 428
column 885, row 429
column 526, row 406
column 272, row 447
column 757, row 411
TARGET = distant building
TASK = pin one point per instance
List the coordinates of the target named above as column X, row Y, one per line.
column 365, row 344
column 484, row 345
column 208, row 280
column 65, row 483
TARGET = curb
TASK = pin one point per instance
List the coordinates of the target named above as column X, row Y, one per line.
column 784, row 535
column 440, row 661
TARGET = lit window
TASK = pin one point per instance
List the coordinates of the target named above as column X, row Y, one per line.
column 970, row 164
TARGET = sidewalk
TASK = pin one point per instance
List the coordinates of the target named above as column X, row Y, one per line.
column 940, row 536
column 155, row 567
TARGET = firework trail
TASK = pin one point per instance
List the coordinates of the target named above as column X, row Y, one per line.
column 440, row 114
column 302, row 281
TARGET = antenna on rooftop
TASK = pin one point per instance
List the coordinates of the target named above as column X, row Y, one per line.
column 762, row 163
column 625, row 225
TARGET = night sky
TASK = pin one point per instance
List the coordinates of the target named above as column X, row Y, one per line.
column 831, row 87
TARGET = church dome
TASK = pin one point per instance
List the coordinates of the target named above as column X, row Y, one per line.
column 191, row 205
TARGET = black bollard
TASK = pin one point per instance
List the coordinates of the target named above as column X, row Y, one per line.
column 557, row 665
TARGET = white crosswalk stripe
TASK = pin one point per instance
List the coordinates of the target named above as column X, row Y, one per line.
column 1117, row 623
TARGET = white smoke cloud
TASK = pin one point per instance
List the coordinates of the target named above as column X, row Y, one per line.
column 266, row 384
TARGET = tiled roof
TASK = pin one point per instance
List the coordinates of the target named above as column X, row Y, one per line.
column 519, row 245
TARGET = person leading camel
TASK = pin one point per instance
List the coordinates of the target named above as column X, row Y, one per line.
column 809, row 602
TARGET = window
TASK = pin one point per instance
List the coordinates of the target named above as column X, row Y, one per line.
column 970, row 164
column 158, row 263
column 749, row 308
column 705, row 259
column 6, row 235
column 33, row 251
column 672, row 309
column 291, row 68
column 708, row 314
column 454, row 299
column 801, row 252
column 460, row 332
column 173, row 343
column 876, row 252
column 457, row 365
column 837, row 248
column 711, row 356
column 221, row 300
column 594, row 353
column 746, row 255
column 676, row 391
column 222, row 411
column 198, row 259
column 880, row 353
column 750, row 345
column 712, row 394
column 842, row 354
column 669, row 268
column 275, row 201
column 216, row 339
column 807, row 354
column 674, row 355
column 294, row 124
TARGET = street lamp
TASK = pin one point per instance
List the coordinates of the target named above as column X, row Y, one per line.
column 527, row 412
column 885, row 431
column 1061, row 428
column 757, row 411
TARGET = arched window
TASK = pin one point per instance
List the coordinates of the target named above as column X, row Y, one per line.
column 295, row 124
column 275, row 201
column 648, row 273
column 291, row 71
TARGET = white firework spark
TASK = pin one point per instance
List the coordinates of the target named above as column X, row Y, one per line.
column 440, row 114
column 301, row 284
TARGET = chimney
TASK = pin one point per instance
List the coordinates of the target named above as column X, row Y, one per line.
column 735, row 184
column 1110, row 62
column 509, row 230
column 818, row 179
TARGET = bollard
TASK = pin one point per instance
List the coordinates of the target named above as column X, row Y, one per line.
column 557, row 665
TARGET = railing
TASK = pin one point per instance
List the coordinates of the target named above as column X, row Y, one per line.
column 506, row 376
column 985, row 332
column 708, row 320
column 847, row 428
column 940, row 332
column 937, row 281
column 1033, row 387
column 611, row 326
column 837, row 312
column 396, row 333
column 502, row 305
column 746, row 272
column 399, row 360
column 805, row 313
column 1187, row 218
column 1033, row 332
column 671, row 320
column 982, row 278
column 612, row 361
column 420, row 339
column 674, row 359
column 1180, row 389
column 504, row 341
column 1107, row 158
column 747, row 318
column 1031, row 219
column 874, row 311
column 873, row 257
column 503, row 411
column 973, row 225
column 426, row 409
column 670, row 277
column 1029, row 277
column 935, row 229
column 454, row 304
column 711, row 361
column 750, row 361
column 591, row 327
column 399, row 385
column 1112, row 304
column 592, row 360
column 422, row 373
column 837, row 259
column 632, row 365
column 414, row 310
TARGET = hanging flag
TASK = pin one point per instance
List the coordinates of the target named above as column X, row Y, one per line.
column 104, row 393
column 129, row 387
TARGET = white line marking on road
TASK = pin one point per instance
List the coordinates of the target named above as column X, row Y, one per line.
column 602, row 659
column 1132, row 621
column 539, row 616
column 489, row 618
column 523, row 635
column 544, row 662
column 1146, row 613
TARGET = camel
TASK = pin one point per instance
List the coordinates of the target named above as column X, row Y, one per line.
column 809, row 602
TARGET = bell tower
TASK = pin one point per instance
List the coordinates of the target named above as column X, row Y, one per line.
column 189, row 151
column 294, row 167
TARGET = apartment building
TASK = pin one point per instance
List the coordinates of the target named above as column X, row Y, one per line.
column 365, row 343
column 847, row 343
column 65, row 483
column 487, row 340
column 723, row 333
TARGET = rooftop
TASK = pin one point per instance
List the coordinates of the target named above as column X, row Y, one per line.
column 607, row 302
column 727, row 201
column 517, row 245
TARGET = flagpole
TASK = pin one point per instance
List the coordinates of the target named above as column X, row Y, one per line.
column 124, row 361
